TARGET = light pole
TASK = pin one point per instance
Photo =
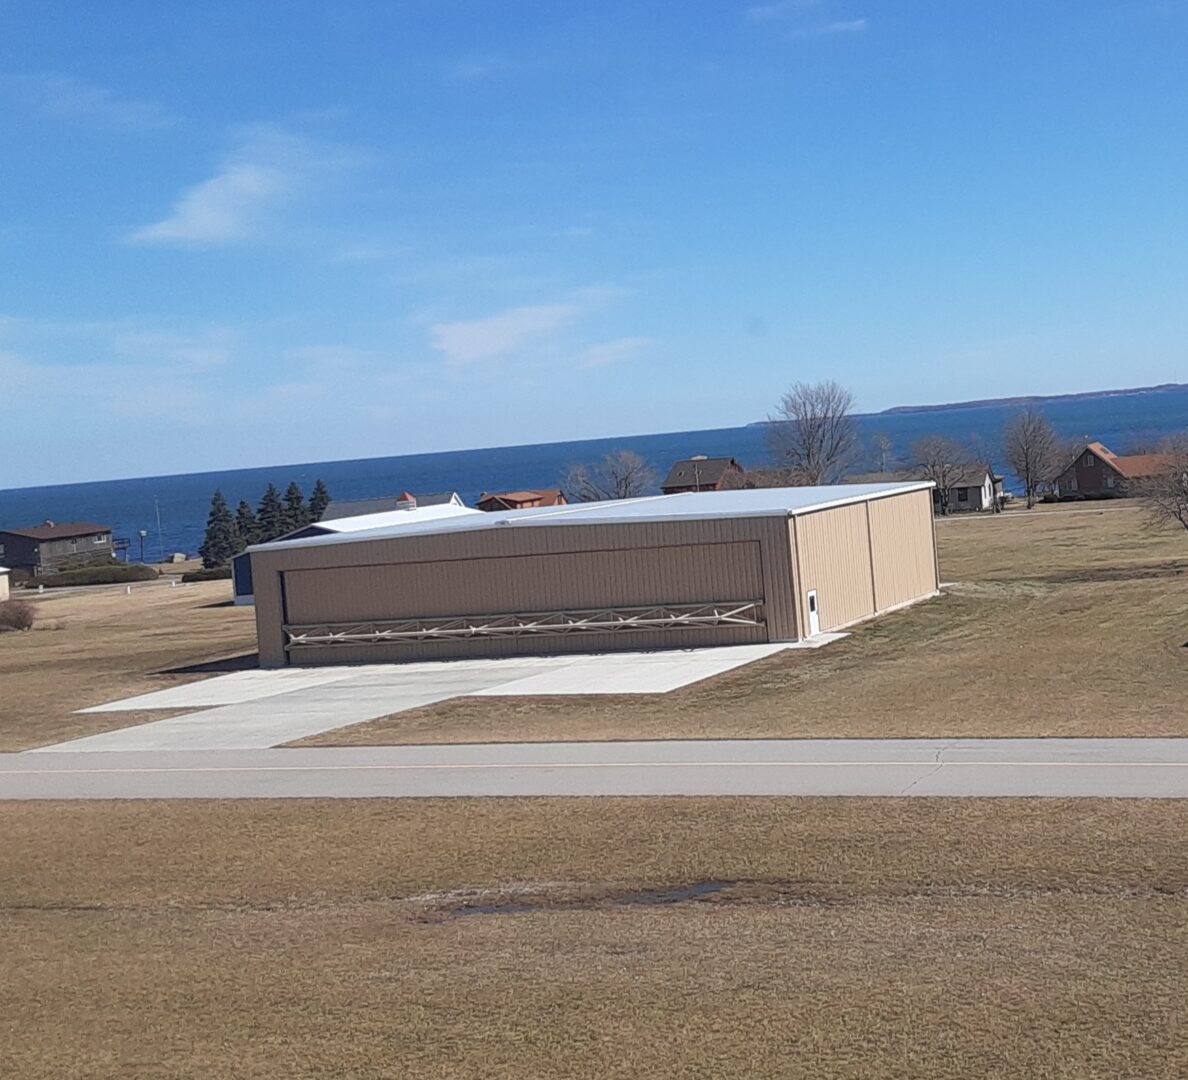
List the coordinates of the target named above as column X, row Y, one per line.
column 142, row 534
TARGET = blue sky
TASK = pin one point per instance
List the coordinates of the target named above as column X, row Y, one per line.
column 237, row 234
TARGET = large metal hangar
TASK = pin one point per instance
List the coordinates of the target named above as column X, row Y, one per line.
column 673, row 571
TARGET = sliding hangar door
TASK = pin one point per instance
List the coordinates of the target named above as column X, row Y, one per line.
column 527, row 590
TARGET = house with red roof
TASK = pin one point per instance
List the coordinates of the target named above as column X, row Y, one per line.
column 520, row 500
column 1097, row 470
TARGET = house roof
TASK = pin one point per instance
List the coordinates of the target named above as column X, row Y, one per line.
column 4, row 570
column 343, row 508
column 1134, row 466
column 550, row 496
column 694, row 471
column 59, row 532
column 1131, row 466
column 686, row 506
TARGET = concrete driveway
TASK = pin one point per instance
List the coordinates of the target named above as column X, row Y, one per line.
column 251, row 710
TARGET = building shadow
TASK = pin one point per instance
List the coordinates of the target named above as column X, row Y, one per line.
column 243, row 662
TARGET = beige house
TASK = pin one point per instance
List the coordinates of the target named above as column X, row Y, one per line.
column 670, row 571
column 3, row 584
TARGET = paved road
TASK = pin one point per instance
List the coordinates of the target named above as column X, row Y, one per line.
column 1122, row 768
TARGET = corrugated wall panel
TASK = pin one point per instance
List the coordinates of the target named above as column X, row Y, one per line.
column 904, row 550
column 778, row 580
column 834, row 559
column 558, row 582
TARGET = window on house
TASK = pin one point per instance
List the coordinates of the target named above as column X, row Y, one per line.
column 73, row 545
column 99, row 538
column 963, row 494
column 1088, row 459
column 1109, row 480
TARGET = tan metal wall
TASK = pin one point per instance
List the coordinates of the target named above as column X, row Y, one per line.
column 903, row 548
column 833, row 557
column 865, row 558
column 563, row 582
column 504, row 570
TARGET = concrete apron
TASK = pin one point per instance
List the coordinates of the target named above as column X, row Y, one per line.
column 259, row 709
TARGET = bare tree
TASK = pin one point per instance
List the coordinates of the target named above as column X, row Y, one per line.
column 882, row 446
column 1033, row 451
column 946, row 463
column 621, row 475
column 813, row 436
column 1165, row 495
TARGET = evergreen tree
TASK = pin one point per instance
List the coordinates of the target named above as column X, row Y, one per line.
column 296, row 512
column 246, row 525
column 318, row 501
column 270, row 517
column 220, row 543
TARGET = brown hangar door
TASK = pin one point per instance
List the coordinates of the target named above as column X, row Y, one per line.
column 579, row 601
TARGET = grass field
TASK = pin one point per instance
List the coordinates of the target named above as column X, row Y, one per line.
column 1064, row 622
column 542, row 938
column 100, row 644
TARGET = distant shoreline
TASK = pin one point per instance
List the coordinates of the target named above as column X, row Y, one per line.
column 1033, row 399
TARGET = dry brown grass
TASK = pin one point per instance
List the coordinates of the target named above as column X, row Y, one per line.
column 1065, row 622
column 99, row 645
column 911, row 939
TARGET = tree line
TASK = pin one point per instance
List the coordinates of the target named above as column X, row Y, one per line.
column 227, row 533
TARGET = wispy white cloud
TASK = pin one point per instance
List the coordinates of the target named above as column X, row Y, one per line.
column 827, row 29
column 778, row 10
column 497, row 335
column 615, row 352
column 68, row 98
column 195, row 351
column 268, row 168
column 514, row 329
column 128, row 342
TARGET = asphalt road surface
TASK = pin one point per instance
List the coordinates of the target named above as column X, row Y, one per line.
column 1107, row 768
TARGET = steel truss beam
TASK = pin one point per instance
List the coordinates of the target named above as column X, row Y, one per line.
column 597, row 621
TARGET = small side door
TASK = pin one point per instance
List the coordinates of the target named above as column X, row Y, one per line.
column 814, row 614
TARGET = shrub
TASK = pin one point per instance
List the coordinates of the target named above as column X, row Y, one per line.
column 99, row 575
column 1049, row 498
column 219, row 573
column 16, row 614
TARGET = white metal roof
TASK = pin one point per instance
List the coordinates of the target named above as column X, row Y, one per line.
column 4, row 570
column 686, row 506
column 396, row 518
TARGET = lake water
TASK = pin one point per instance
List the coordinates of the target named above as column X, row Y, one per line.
column 129, row 505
